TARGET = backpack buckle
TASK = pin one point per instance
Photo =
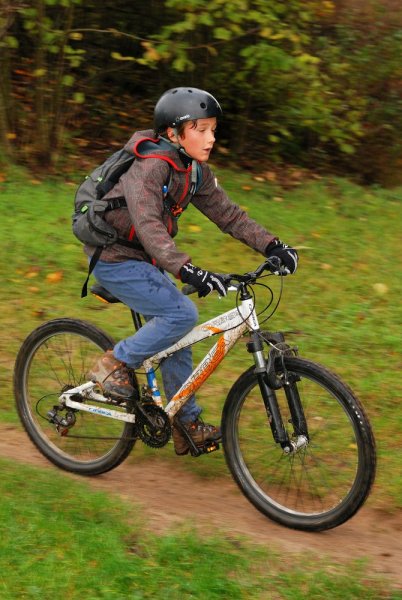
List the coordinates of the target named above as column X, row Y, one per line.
column 176, row 211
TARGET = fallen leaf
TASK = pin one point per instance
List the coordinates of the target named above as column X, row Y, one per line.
column 380, row 288
column 246, row 188
column 326, row 266
column 194, row 228
column 296, row 174
column 54, row 277
column 33, row 272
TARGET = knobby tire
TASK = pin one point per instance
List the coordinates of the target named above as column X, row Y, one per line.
column 320, row 486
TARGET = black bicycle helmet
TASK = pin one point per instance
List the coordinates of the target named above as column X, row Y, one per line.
column 184, row 104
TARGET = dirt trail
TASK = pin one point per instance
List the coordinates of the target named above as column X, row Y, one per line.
column 369, row 534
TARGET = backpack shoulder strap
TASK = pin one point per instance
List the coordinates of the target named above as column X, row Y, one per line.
column 94, row 259
column 152, row 148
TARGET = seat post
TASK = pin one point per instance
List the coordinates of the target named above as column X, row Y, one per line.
column 136, row 319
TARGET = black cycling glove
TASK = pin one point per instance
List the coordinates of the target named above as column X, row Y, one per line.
column 288, row 256
column 204, row 281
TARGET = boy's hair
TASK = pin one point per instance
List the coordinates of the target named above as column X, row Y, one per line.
column 179, row 130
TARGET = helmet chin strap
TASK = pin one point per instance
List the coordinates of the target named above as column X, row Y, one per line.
column 187, row 159
column 194, row 169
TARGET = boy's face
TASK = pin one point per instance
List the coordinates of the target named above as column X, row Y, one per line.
column 198, row 138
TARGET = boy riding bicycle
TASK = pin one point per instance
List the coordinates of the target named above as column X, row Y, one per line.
column 162, row 181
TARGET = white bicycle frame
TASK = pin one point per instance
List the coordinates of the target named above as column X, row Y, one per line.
column 231, row 324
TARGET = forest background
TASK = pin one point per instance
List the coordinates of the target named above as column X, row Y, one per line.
column 316, row 84
column 312, row 98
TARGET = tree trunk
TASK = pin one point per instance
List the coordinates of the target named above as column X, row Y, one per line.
column 7, row 13
column 59, row 112
column 42, row 137
column 5, row 146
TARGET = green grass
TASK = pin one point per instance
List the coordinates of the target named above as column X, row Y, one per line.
column 343, row 304
column 62, row 540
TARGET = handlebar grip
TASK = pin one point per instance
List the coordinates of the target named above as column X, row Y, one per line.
column 274, row 263
column 188, row 289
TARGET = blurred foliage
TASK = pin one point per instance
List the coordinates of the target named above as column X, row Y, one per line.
column 315, row 83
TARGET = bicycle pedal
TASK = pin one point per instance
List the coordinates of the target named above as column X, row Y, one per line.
column 207, row 448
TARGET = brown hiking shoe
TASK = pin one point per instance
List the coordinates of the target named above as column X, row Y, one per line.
column 112, row 375
column 200, row 433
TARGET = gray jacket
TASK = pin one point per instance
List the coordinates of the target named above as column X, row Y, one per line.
column 154, row 226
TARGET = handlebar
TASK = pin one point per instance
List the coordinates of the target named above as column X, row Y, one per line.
column 233, row 280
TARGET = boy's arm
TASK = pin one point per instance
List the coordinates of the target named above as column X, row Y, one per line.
column 214, row 203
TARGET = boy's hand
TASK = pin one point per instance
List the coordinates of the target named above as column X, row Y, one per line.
column 288, row 256
column 204, row 281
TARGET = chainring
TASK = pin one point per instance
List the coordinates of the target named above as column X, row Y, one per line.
column 157, row 434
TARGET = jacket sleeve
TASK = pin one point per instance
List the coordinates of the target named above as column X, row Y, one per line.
column 142, row 189
column 214, row 203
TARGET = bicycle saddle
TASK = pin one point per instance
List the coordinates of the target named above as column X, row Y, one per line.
column 102, row 294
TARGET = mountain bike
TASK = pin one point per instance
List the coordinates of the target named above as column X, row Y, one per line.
column 296, row 439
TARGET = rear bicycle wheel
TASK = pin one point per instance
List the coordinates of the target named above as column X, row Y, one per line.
column 55, row 357
column 321, row 485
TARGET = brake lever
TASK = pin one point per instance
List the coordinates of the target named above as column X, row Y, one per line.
column 273, row 264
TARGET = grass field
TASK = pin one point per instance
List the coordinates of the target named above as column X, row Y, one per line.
column 344, row 302
column 50, row 549
column 343, row 308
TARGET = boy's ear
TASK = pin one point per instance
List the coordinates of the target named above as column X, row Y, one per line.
column 172, row 135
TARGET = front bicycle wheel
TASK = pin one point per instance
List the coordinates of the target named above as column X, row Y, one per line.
column 319, row 486
column 56, row 357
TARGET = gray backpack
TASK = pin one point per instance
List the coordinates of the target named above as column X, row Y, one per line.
column 89, row 224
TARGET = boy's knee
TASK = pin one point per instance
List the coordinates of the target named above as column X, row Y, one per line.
column 189, row 313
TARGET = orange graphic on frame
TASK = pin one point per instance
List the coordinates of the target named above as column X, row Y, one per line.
column 216, row 358
column 213, row 329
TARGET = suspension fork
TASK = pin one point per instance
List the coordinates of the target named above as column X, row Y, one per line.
column 295, row 406
column 288, row 382
column 268, row 394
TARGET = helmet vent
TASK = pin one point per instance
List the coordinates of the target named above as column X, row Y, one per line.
column 203, row 105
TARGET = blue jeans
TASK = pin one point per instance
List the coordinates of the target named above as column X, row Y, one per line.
column 169, row 316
